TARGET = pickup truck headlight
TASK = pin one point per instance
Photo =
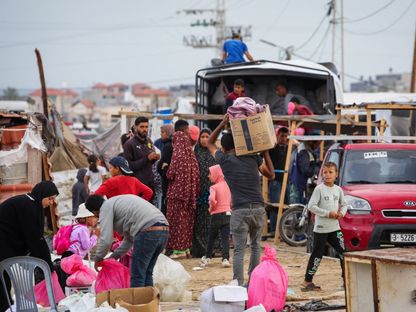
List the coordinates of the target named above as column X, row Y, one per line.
column 357, row 205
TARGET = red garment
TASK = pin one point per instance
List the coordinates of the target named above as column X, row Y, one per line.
column 233, row 96
column 122, row 185
column 304, row 110
column 183, row 176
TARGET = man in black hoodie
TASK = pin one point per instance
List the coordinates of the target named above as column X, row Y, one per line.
column 21, row 228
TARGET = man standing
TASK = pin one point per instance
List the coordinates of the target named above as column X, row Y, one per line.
column 234, row 50
column 242, row 176
column 140, row 153
column 143, row 227
column 304, row 166
column 278, row 156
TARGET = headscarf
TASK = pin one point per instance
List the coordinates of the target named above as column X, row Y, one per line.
column 42, row 190
column 168, row 129
column 183, row 172
column 205, row 160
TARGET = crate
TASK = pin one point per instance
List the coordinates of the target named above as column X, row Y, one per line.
column 380, row 280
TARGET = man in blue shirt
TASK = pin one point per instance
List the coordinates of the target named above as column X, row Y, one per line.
column 234, row 50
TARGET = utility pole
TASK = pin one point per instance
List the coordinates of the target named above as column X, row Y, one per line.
column 412, row 119
column 342, row 45
column 222, row 31
column 334, row 24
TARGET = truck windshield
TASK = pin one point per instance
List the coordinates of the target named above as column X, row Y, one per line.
column 379, row 167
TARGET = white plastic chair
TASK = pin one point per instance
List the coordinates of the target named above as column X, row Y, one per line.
column 21, row 273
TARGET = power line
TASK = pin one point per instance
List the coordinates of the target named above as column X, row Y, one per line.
column 313, row 33
column 386, row 28
column 371, row 14
column 277, row 18
column 321, row 42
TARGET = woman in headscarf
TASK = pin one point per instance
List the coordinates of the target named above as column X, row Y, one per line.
column 166, row 132
column 205, row 160
column 22, row 222
column 183, row 176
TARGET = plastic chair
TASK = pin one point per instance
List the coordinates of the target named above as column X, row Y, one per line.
column 21, row 273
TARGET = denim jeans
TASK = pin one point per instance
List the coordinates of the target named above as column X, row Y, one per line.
column 246, row 221
column 146, row 249
column 220, row 222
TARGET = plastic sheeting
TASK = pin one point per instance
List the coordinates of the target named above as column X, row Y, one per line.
column 19, row 155
column 106, row 144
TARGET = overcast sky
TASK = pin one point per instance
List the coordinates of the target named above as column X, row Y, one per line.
column 87, row 41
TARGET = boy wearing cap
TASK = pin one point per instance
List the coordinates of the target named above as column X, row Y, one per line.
column 122, row 183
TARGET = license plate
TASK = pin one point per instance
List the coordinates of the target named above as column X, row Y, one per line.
column 402, row 238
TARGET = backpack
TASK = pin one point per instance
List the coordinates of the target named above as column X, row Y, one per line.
column 61, row 240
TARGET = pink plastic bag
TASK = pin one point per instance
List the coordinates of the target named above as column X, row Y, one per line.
column 41, row 293
column 268, row 283
column 127, row 258
column 113, row 275
column 80, row 274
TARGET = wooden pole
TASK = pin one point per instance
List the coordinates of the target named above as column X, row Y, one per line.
column 322, row 148
column 284, row 186
column 265, row 190
column 43, row 84
column 339, row 117
column 368, row 122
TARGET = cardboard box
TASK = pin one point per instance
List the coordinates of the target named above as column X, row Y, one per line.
column 253, row 134
column 140, row 299
column 224, row 299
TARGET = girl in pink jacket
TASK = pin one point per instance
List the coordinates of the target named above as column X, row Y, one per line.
column 220, row 211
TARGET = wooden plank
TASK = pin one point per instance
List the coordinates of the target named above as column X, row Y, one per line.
column 322, row 148
column 338, row 127
column 368, row 123
column 34, row 166
column 284, row 186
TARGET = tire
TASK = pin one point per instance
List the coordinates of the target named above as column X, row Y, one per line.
column 289, row 231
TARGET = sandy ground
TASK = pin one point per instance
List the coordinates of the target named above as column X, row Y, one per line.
column 293, row 259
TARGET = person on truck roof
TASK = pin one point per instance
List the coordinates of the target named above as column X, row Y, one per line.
column 234, row 50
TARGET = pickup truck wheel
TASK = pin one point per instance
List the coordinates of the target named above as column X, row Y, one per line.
column 289, row 229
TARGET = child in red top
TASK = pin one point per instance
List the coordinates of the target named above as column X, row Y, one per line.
column 238, row 91
column 121, row 183
column 220, row 211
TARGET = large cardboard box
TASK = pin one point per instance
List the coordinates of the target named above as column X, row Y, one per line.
column 253, row 134
column 224, row 299
column 140, row 299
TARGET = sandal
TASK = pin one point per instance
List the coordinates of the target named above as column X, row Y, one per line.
column 310, row 287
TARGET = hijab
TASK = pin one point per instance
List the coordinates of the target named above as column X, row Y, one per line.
column 205, row 160
column 168, row 129
column 42, row 190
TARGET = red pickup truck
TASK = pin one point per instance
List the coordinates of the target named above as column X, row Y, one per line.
column 379, row 182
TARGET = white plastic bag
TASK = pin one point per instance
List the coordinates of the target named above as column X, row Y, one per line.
column 79, row 302
column 171, row 278
column 105, row 307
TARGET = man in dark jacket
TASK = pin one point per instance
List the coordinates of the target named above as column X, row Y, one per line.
column 304, row 166
column 140, row 153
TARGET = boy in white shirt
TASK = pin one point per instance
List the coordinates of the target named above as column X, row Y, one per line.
column 328, row 204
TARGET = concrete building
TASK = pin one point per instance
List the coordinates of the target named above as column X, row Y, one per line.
column 397, row 82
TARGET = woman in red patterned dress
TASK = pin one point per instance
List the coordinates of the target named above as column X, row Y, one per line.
column 183, row 176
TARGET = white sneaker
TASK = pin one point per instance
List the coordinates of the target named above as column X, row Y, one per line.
column 205, row 261
column 226, row 263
